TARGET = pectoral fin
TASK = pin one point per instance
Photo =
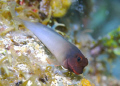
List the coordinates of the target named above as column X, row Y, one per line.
column 52, row 61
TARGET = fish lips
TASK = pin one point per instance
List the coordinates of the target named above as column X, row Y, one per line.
column 73, row 68
column 79, row 69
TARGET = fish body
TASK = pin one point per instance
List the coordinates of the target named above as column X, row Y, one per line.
column 67, row 54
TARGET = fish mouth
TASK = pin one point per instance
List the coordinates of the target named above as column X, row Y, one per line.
column 75, row 69
column 67, row 66
column 72, row 68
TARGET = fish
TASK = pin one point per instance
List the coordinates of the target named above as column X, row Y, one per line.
column 66, row 53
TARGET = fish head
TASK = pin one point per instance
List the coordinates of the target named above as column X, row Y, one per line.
column 76, row 63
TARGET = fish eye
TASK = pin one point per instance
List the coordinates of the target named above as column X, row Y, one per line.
column 79, row 59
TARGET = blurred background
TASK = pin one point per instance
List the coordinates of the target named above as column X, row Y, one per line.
column 95, row 25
